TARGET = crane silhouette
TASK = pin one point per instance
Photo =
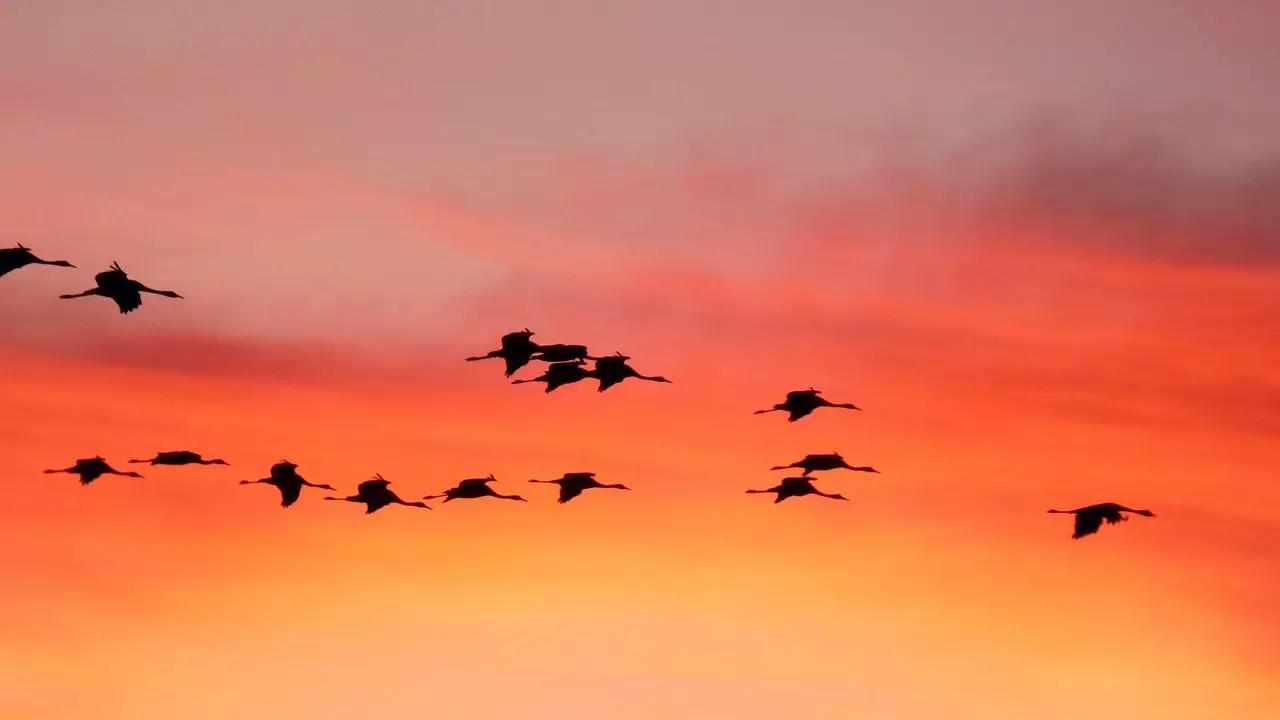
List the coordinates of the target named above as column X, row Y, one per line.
column 376, row 494
column 560, row 352
column 1089, row 519
column 800, row 403
column 824, row 461
column 560, row 374
column 125, row 291
column 181, row 457
column 90, row 469
column 473, row 488
column 21, row 256
column 572, row 484
column 614, row 369
column 284, row 475
column 795, row 487
column 516, row 349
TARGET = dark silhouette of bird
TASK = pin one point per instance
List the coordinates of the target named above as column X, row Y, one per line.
column 1089, row 519
column 473, row 488
column 284, row 475
column 90, row 469
column 560, row 352
column 517, row 349
column 181, row 457
column 795, row 487
column 614, row 369
column 560, row 373
column 800, row 403
column 376, row 494
column 21, row 256
column 572, row 484
column 125, row 291
column 823, row 461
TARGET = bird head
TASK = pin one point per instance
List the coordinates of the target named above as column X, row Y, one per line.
column 1144, row 513
column 219, row 461
column 837, row 496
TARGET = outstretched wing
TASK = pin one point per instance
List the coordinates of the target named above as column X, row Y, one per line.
column 372, row 487
column 515, row 361
column 1086, row 524
column 801, row 396
column 289, row 493
column 569, row 491
column 127, row 299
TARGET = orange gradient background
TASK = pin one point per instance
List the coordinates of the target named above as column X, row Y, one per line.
column 1036, row 307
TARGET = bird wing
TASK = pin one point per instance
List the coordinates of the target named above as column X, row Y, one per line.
column 372, row 486
column 289, row 493
column 801, row 395
column 569, row 492
column 127, row 300
column 1086, row 524
column 110, row 278
column 515, row 362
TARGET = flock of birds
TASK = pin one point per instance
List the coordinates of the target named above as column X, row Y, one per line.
column 565, row 365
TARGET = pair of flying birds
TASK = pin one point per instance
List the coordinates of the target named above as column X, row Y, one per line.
column 112, row 283
column 567, row 363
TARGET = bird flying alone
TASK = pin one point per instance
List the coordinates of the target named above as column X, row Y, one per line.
column 21, row 256
column 824, row 461
column 795, row 487
column 125, row 291
column 800, row 403
column 376, row 494
column 572, row 484
column 473, row 488
column 180, row 457
column 90, row 469
column 1089, row 519
column 284, row 475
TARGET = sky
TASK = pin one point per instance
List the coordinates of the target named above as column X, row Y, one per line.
column 1036, row 241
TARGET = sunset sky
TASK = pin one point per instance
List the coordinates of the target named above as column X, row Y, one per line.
column 1037, row 241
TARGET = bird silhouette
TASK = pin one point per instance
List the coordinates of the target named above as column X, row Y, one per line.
column 1089, row 519
column 572, row 484
column 473, row 488
column 181, row 457
column 823, row 461
column 90, row 469
column 376, row 494
column 284, row 475
column 800, row 403
column 517, row 349
column 614, row 369
column 125, row 291
column 560, row 352
column 21, row 256
column 795, row 487
column 559, row 374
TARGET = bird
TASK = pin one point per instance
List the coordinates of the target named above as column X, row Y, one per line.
column 560, row 373
column 800, row 403
column 825, row 461
column 125, row 291
column 181, row 457
column 90, row 469
column 376, row 494
column 560, row 352
column 21, row 256
column 284, row 475
column 473, row 488
column 1089, row 519
column 614, row 369
column 516, row 350
column 572, row 484
column 795, row 487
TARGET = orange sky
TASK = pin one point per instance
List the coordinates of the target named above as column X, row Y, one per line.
column 1033, row 314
